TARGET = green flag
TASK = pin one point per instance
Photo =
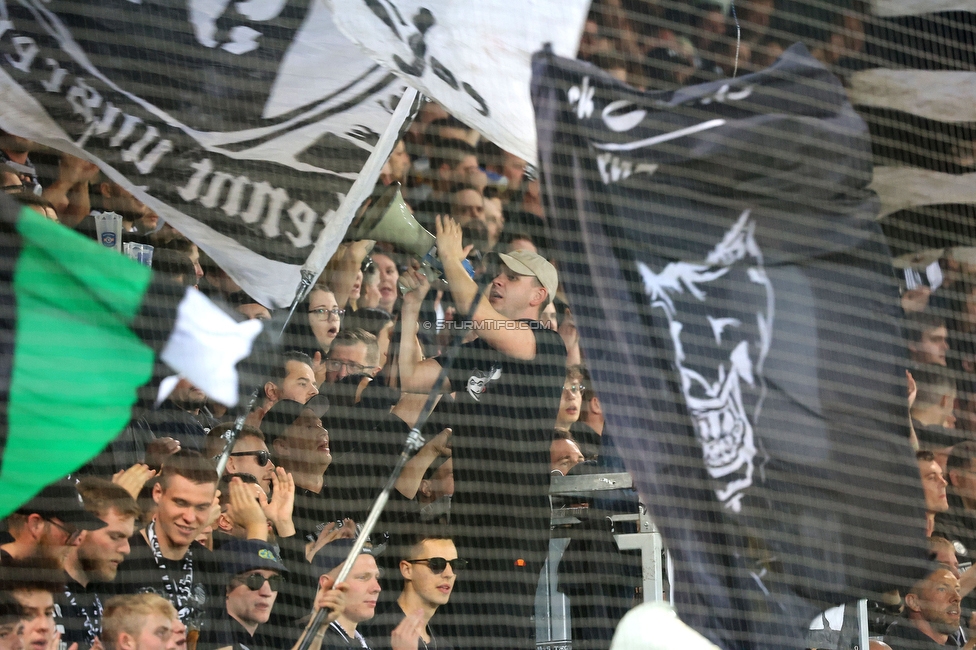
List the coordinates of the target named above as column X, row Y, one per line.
column 70, row 360
column 75, row 363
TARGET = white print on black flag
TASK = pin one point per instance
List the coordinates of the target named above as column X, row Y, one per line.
column 242, row 124
column 723, row 422
column 472, row 57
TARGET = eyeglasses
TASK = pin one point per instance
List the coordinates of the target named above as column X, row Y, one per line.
column 72, row 532
column 438, row 564
column 353, row 368
column 263, row 457
column 255, row 581
column 324, row 314
column 575, row 389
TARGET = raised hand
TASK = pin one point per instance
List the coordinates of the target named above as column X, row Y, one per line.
column 133, row 479
column 247, row 510
column 330, row 533
column 449, row 239
column 279, row 510
column 415, row 286
column 331, row 598
column 406, row 635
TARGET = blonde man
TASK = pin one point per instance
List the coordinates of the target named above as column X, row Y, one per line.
column 139, row 622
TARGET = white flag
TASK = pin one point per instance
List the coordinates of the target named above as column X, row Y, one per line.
column 242, row 124
column 474, row 58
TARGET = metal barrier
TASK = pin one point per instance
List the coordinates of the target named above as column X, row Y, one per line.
column 552, row 609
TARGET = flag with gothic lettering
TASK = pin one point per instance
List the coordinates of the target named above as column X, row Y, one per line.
column 735, row 297
column 472, row 57
column 242, row 124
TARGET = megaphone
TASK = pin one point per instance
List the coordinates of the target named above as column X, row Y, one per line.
column 390, row 220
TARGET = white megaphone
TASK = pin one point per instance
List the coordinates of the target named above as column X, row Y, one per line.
column 390, row 220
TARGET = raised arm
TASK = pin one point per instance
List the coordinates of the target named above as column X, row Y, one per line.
column 508, row 336
column 417, row 375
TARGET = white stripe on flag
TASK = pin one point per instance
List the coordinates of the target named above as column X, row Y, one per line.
column 474, row 58
column 919, row 7
column 944, row 96
column 908, row 187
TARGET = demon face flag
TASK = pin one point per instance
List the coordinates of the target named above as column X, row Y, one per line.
column 736, row 301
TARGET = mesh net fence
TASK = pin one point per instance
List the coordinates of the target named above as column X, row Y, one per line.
column 680, row 296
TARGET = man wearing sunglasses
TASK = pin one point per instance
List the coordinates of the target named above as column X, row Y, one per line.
column 429, row 571
column 250, row 454
column 252, row 570
column 48, row 525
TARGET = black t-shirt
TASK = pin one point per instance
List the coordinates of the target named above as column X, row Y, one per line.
column 335, row 638
column 313, row 510
column 225, row 631
column 957, row 524
column 193, row 584
column 502, row 415
column 81, row 612
column 902, row 635
column 379, row 629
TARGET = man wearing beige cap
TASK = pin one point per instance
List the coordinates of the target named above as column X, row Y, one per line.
column 507, row 383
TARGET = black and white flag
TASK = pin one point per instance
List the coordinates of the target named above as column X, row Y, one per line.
column 921, row 110
column 240, row 123
column 735, row 297
column 472, row 57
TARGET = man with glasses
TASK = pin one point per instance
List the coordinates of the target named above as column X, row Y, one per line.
column 571, row 401
column 354, row 353
column 48, row 525
column 250, row 454
column 429, row 571
column 253, row 572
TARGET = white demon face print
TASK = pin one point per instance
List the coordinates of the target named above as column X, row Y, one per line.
column 478, row 382
column 720, row 318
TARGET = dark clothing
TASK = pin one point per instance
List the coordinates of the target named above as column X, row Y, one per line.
column 902, row 635
column 957, row 524
column 173, row 422
column 379, row 628
column 587, row 439
column 600, row 579
column 81, row 612
column 193, row 584
column 226, row 631
column 935, row 436
column 336, row 638
column 312, row 511
column 502, row 417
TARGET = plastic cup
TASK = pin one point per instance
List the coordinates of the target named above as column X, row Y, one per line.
column 108, row 227
column 142, row 253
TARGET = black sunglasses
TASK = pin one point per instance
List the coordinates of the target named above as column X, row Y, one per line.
column 255, row 581
column 263, row 457
column 438, row 564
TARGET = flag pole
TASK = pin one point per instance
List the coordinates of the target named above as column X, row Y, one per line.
column 332, row 234
column 410, row 447
column 334, row 230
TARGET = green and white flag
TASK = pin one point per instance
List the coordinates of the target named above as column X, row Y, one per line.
column 80, row 326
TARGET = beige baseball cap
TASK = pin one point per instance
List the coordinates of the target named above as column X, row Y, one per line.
column 526, row 263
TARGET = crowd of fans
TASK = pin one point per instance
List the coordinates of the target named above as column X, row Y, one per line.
column 147, row 547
